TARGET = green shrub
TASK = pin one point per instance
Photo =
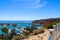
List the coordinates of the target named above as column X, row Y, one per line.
column 50, row 26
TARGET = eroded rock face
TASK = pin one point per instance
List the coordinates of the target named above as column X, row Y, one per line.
column 43, row 36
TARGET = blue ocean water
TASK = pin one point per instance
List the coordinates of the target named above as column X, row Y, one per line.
column 22, row 24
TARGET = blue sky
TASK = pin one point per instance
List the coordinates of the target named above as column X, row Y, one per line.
column 29, row 9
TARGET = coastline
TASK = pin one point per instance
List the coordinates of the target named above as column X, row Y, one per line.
column 43, row 36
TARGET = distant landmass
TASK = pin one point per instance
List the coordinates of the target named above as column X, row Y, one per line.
column 41, row 21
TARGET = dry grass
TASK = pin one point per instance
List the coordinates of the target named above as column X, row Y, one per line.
column 38, row 31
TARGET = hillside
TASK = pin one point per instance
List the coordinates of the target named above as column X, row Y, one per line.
column 41, row 21
column 43, row 36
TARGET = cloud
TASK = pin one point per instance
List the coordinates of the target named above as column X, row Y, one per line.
column 38, row 5
column 41, row 5
column 30, row 3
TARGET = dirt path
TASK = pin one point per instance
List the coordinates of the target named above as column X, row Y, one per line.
column 43, row 36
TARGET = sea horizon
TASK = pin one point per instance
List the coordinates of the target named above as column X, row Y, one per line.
column 15, row 21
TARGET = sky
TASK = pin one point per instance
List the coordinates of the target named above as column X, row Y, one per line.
column 29, row 9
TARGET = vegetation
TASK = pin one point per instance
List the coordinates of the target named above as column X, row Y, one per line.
column 33, row 31
column 5, row 30
column 50, row 26
column 38, row 31
column 41, row 21
column 46, row 23
column 30, row 29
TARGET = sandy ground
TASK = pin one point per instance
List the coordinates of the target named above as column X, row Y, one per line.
column 43, row 36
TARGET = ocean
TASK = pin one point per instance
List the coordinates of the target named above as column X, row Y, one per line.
column 22, row 24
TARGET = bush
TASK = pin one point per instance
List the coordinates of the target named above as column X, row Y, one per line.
column 26, row 33
column 35, row 32
column 30, row 29
column 50, row 26
column 38, row 31
column 41, row 30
